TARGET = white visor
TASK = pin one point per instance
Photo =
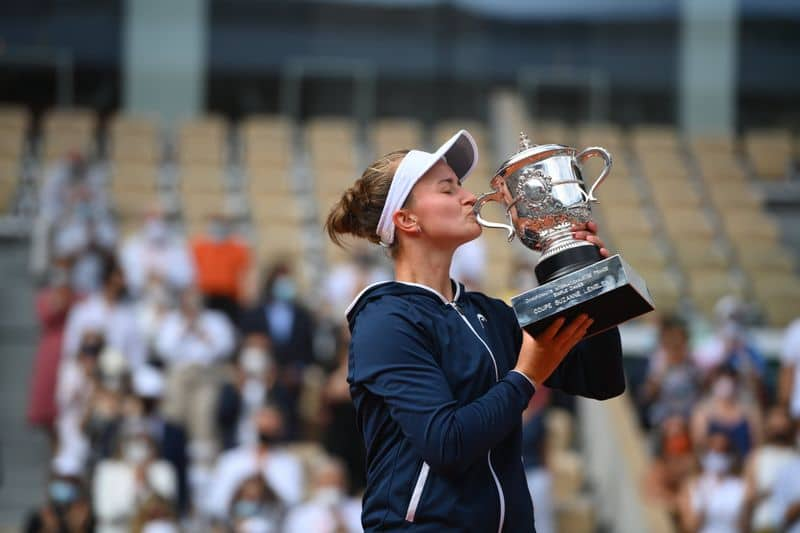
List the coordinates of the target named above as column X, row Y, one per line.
column 459, row 152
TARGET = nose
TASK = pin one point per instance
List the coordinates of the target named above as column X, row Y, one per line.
column 470, row 198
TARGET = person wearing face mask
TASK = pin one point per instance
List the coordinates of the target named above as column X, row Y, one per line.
column 253, row 383
column 290, row 328
column 67, row 507
column 156, row 255
column 255, row 508
column 725, row 412
column 122, row 484
column 280, row 470
column 109, row 312
column 329, row 509
column 714, row 501
column 763, row 467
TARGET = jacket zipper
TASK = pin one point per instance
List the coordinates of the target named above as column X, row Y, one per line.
column 417, row 493
column 500, row 493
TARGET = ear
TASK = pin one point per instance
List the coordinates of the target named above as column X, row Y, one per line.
column 405, row 222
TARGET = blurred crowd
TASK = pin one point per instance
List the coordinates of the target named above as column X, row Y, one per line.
column 177, row 397
column 724, row 425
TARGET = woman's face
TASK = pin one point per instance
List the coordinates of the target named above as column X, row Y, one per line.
column 443, row 208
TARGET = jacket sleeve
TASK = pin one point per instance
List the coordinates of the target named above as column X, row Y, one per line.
column 393, row 358
column 593, row 368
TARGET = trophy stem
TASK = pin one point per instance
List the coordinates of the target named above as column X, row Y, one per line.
column 566, row 259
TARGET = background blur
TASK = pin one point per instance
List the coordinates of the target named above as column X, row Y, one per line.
column 172, row 349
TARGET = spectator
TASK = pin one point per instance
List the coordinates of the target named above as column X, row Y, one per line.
column 673, row 384
column 290, row 328
column 223, row 261
column 786, row 493
column 52, row 306
column 254, row 383
column 109, row 313
column 763, row 467
column 77, row 380
column 713, row 502
column 731, row 346
column 67, row 507
column 125, row 482
column 469, row 265
column 673, row 464
column 191, row 342
column 725, row 412
column 328, row 510
column 789, row 383
column 340, row 435
column 346, row 280
column 155, row 256
column 168, row 437
column 281, row 471
column 255, row 508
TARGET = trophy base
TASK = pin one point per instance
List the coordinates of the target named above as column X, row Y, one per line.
column 564, row 262
column 609, row 291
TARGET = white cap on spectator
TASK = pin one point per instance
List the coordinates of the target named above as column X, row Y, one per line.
column 148, row 382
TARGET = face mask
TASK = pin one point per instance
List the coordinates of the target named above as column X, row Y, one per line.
column 246, row 509
column 62, row 492
column 283, row 289
column 723, row 388
column 266, row 438
column 254, row 361
column 716, row 463
column 218, row 231
column 328, row 495
column 136, row 452
column 156, row 231
column 253, row 393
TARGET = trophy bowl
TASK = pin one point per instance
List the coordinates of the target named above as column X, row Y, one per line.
column 544, row 194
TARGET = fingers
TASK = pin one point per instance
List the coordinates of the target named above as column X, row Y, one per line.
column 575, row 330
column 551, row 330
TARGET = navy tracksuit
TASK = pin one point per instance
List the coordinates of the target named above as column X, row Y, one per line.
column 439, row 408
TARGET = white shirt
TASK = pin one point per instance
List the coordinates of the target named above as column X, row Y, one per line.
column 117, row 323
column 170, row 261
column 322, row 516
column 720, row 500
column 790, row 356
column 282, row 471
column 787, row 491
column 116, row 495
column 469, row 264
column 344, row 283
column 769, row 462
column 73, row 393
column 209, row 339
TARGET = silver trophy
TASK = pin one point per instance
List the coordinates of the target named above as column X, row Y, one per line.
column 544, row 194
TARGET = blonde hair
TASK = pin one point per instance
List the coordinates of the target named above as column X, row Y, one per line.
column 359, row 209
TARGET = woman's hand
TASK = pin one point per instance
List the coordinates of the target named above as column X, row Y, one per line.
column 588, row 232
column 540, row 356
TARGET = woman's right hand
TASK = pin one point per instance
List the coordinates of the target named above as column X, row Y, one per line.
column 540, row 356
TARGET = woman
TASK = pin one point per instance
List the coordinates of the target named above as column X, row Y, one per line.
column 439, row 377
column 52, row 306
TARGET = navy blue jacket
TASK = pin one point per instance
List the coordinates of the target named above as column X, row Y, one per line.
column 439, row 407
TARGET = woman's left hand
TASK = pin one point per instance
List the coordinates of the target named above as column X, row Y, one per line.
column 588, row 232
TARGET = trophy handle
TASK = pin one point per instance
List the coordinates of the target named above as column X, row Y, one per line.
column 493, row 196
column 595, row 151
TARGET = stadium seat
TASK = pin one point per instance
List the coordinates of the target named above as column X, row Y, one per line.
column 396, row 134
column 648, row 140
column 770, row 152
column 65, row 131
